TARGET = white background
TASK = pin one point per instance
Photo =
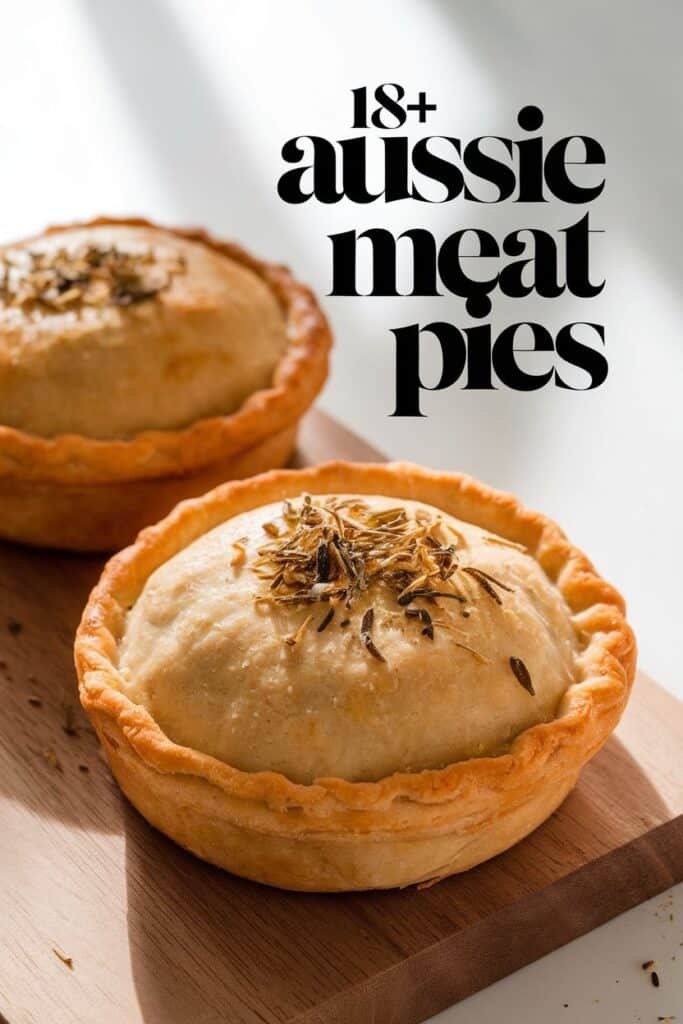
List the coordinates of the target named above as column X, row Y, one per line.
column 177, row 109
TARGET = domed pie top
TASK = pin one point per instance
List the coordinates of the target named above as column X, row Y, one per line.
column 348, row 636
column 352, row 676
column 141, row 365
column 108, row 330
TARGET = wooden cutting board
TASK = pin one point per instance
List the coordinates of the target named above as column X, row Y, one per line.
column 156, row 936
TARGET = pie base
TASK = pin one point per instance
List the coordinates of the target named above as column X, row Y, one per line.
column 335, row 835
column 106, row 517
column 203, row 825
column 83, row 494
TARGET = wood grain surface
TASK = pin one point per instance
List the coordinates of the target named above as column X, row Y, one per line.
column 156, row 936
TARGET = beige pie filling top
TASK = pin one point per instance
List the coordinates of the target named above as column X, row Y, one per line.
column 110, row 330
column 349, row 637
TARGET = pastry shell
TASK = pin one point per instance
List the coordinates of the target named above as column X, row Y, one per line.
column 336, row 835
column 80, row 493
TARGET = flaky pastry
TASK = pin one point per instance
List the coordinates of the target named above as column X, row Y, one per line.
column 352, row 676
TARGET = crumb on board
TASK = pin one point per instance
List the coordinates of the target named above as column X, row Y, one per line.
column 68, row 719
column 51, row 757
column 67, row 960
column 68, row 716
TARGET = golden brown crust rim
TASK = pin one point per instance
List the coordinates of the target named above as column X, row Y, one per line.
column 301, row 373
column 404, row 803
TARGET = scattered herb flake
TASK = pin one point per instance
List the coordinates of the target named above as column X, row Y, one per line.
column 504, row 542
column 326, row 620
column 323, row 562
column 521, row 673
column 294, row 638
column 475, row 654
column 496, row 582
column 366, row 634
column 240, row 554
column 432, row 594
column 484, row 582
column 425, row 618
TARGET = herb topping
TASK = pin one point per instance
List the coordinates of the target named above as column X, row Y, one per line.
column 334, row 550
column 90, row 275
column 521, row 673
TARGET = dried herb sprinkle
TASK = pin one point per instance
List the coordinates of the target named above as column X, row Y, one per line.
column 326, row 620
column 334, row 550
column 88, row 275
column 521, row 673
column 366, row 634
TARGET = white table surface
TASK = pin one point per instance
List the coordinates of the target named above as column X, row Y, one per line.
column 177, row 109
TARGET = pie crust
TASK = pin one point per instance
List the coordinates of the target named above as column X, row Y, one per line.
column 78, row 492
column 334, row 834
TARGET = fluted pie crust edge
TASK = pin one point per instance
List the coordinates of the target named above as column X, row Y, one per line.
column 338, row 835
column 83, row 493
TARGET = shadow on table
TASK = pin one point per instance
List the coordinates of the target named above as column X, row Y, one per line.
column 45, row 734
column 528, row 53
column 207, row 946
